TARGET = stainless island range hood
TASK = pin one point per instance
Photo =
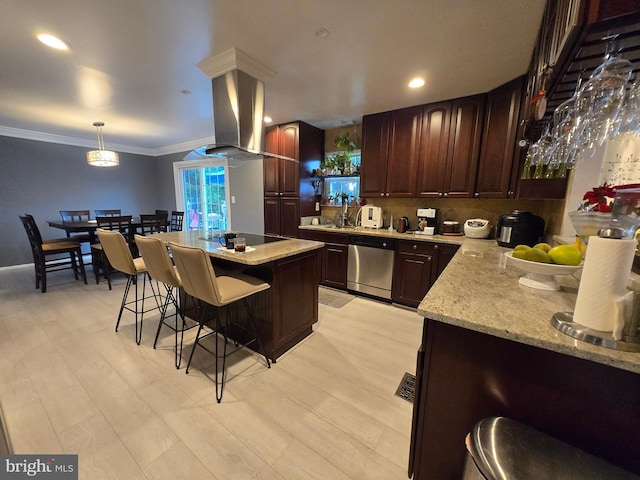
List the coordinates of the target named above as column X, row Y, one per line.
column 238, row 106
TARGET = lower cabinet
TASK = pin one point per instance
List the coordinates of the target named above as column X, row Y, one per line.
column 281, row 216
column 417, row 266
column 463, row 376
column 412, row 272
column 333, row 270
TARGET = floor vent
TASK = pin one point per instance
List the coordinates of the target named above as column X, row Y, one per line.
column 407, row 387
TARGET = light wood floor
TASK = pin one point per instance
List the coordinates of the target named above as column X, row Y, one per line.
column 326, row 410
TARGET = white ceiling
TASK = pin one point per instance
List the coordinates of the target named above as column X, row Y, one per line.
column 130, row 61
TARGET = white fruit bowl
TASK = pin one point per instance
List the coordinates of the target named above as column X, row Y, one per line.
column 540, row 275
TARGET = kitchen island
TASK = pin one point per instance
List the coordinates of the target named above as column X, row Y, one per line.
column 286, row 312
column 489, row 349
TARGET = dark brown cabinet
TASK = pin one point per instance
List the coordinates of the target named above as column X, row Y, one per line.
column 417, row 265
column 444, row 252
column 497, row 176
column 288, row 192
column 463, row 376
column 413, row 262
column 390, row 147
column 333, row 271
column 449, row 147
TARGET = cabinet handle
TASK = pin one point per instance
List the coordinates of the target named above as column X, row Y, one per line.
column 511, row 194
column 439, row 194
column 435, row 247
column 415, row 247
column 476, row 194
column 446, row 194
column 382, row 194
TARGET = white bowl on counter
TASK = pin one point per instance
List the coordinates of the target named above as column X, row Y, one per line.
column 540, row 275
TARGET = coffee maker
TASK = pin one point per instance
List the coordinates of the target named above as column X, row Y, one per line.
column 428, row 219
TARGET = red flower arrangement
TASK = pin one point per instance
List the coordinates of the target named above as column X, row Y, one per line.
column 599, row 199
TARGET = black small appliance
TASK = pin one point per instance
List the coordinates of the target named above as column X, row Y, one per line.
column 519, row 228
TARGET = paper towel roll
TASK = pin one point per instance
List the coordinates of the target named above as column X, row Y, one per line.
column 606, row 270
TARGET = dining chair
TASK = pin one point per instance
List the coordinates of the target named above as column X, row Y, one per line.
column 176, row 221
column 121, row 224
column 40, row 250
column 108, row 213
column 211, row 293
column 77, row 216
column 163, row 219
column 160, row 267
column 116, row 249
column 151, row 223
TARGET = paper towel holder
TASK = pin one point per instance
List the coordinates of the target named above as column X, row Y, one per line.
column 563, row 321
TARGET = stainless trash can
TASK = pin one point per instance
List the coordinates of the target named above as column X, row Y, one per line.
column 503, row 449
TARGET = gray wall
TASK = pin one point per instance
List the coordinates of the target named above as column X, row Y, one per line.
column 42, row 178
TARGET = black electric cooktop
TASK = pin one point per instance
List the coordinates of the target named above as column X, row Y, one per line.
column 251, row 238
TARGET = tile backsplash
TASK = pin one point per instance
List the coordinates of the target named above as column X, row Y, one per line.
column 461, row 209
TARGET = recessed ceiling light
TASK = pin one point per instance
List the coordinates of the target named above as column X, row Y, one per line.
column 416, row 83
column 53, row 42
column 268, row 119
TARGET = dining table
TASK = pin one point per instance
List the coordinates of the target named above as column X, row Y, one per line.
column 90, row 227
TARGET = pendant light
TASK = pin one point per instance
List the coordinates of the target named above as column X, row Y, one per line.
column 102, row 157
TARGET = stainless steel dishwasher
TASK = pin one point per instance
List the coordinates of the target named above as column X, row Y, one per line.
column 370, row 265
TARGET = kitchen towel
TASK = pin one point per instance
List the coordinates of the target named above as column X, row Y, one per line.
column 606, row 271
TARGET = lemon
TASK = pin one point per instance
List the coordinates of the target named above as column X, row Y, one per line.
column 520, row 253
column 543, row 246
column 537, row 255
column 565, row 255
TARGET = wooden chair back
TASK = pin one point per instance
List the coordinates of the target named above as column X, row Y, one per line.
column 163, row 218
column 151, row 223
column 75, row 215
column 176, row 221
column 108, row 213
column 118, row 223
column 35, row 239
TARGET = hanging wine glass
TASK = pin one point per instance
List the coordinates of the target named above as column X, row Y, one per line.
column 628, row 119
column 563, row 132
column 598, row 103
column 543, row 154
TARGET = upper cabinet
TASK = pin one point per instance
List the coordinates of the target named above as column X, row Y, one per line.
column 282, row 177
column 496, row 165
column 440, row 142
column 449, row 147
column 390, row 144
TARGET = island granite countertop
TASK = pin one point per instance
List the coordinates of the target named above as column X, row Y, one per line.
column 257, row 255
column 479, row 291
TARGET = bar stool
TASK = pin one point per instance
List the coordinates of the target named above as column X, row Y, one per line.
column 116, row 249
column 213, row 292
column 160, row 268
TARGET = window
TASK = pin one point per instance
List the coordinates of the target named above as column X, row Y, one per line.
column 202, row 192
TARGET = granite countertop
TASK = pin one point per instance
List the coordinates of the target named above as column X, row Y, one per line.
column 480, row 292
column 384, row 232
column 256, row 255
